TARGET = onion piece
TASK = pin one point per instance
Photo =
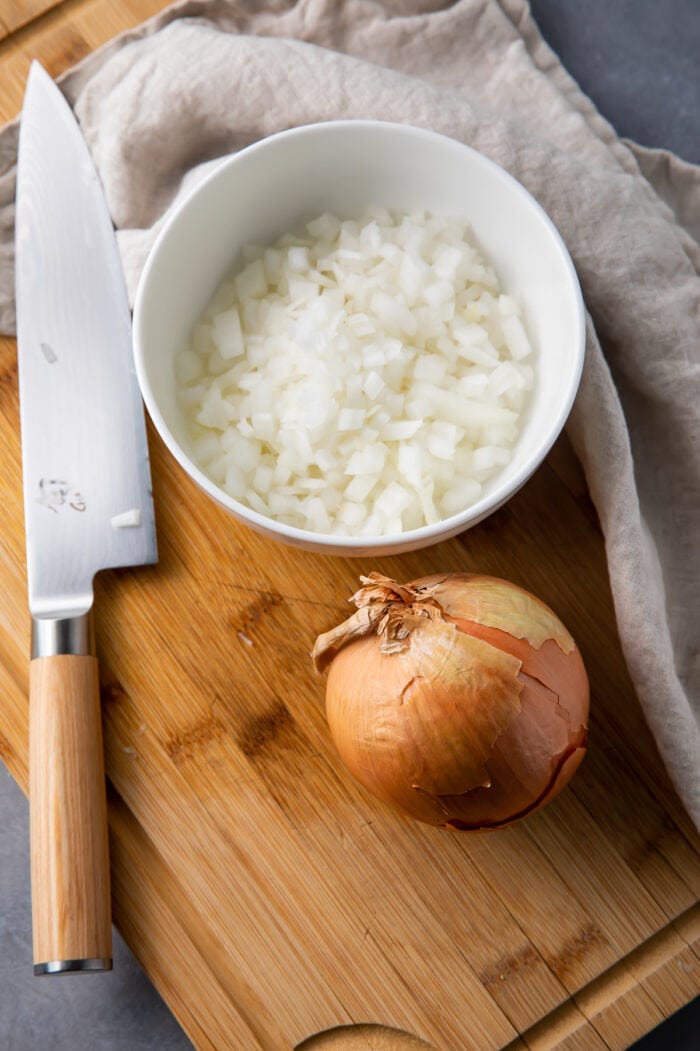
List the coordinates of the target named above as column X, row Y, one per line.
column 381, row 346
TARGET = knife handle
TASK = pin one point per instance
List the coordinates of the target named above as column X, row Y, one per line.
column 71, row 907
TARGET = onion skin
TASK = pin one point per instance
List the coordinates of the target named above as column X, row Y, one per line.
column 460, row 699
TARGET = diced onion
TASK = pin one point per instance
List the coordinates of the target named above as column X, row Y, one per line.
column 364, row 378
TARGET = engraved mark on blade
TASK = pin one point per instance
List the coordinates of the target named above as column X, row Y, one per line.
column 55, row 493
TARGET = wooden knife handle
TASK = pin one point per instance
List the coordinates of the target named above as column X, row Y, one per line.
column 68, row 817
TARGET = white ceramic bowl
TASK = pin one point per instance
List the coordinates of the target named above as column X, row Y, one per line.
column 343, row 167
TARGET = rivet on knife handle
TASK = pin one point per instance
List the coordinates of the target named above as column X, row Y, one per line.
column 71, row 914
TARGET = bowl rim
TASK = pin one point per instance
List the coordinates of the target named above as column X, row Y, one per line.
column 341, row 543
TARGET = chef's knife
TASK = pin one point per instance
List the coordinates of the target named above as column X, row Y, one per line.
column 87, row 506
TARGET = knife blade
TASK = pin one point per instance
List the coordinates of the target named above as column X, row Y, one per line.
column 87, row 507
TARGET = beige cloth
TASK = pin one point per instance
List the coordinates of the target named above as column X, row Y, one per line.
column 160, row 104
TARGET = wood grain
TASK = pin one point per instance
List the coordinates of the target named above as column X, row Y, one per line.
column 71, row 911
column 266, row 894
column 15, row 14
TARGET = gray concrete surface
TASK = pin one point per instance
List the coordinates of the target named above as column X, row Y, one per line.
column 119, row 1011
column 639, row 62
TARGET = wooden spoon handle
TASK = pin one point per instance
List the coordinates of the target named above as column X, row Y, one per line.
column 68, row 817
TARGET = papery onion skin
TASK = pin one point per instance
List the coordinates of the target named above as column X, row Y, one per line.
column 460, row 699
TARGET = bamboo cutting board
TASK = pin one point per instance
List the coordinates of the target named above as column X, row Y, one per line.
column 270, row 898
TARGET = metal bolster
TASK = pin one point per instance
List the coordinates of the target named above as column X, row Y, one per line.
column 67, row 635
column 71, row 966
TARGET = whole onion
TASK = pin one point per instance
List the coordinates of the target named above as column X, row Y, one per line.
column 460, row 699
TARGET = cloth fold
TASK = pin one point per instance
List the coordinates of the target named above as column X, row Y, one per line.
column 164, row 102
